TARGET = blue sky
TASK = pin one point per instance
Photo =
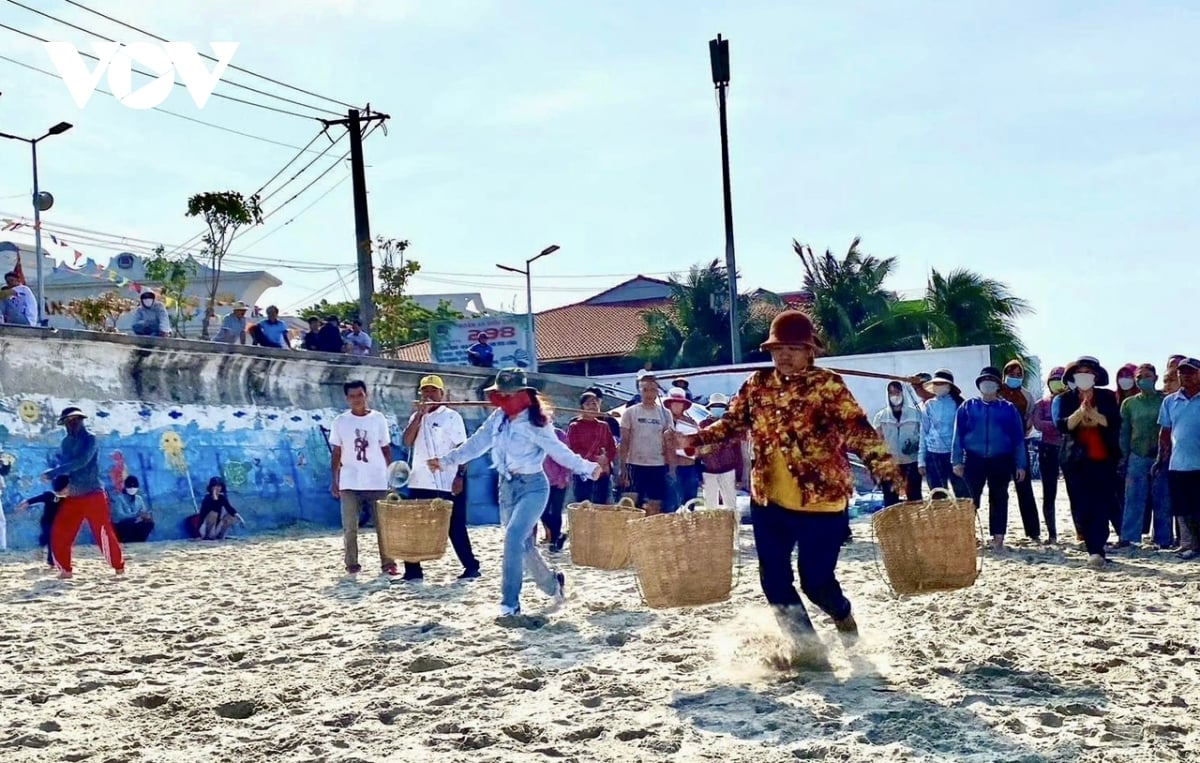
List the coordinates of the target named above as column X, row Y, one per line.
column 1049, row 145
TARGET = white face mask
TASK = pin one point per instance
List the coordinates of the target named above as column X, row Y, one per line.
column 941, row 390
column 896, row 400
column 131, row 490
column 1071, row 385
column 989, row 387
column 1085, row 381
column 1125, row 384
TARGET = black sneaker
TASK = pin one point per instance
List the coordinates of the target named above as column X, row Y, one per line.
column 353, row 569
column 560, row 596
column 469, row 574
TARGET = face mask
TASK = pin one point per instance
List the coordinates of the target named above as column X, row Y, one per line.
column 131, row 490
column 896, row 400
column 510, row 404
column 941, row 390
column 1146, row 385
column 1056, row 386
column 716, row 412
column 1072, row 385
column 989, row 387
column 1125, row 383
column 1085, row 381
column 1013, row 382
column 147, row 302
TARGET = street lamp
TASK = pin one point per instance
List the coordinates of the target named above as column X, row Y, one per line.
column 529, row 300
column 41, row 202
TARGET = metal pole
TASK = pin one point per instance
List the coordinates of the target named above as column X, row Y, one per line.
column 362, row 225
column 735, row 339
column 37, row 237
column 533, row 361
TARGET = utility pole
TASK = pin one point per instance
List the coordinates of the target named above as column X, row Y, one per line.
column 362, row 223
column 718, row 53
column 531, row 332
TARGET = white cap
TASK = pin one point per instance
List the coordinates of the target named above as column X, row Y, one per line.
column 717, row 398
column 646, row 374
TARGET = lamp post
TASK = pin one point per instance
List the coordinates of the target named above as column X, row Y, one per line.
column 533, row 361
column 40, row 203
column 718, row 53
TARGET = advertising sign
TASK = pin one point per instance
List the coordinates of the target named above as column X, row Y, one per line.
column 508, row 336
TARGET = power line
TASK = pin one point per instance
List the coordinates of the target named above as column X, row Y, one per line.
column 302, row 170
column 33, row 36
column 81, row 6
column 165, row 111
column 314, row 202
column 85, row 30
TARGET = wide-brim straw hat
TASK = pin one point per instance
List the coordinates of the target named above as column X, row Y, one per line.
column 510, row 380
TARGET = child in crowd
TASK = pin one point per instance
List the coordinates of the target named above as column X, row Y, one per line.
column 51, row 500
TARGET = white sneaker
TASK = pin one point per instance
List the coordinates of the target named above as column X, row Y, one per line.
column 1096, row 561
column 509, row 611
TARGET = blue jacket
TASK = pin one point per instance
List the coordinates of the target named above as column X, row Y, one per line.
column 989, row 430
column 79, row 462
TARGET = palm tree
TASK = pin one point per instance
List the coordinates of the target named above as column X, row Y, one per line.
column 853, row 311
column 968, row 309
column 694, row 330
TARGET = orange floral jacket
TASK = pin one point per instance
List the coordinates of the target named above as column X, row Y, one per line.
column 814, row 420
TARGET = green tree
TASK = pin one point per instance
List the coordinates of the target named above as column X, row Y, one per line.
column 346, row 311
column 967, row 309
column 694, row 330
column 853, row 310
column 225, row 213
column 173, row 274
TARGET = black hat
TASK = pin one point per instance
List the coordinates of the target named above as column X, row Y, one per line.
column 988, row 372
column 942, row 376
column 1086, row 360
column 70, row 412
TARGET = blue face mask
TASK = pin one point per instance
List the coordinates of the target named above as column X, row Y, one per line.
column 1146, row 385
column 1013, row 382
column 716, row 413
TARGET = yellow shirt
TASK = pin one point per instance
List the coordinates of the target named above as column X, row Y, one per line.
column 782, row 489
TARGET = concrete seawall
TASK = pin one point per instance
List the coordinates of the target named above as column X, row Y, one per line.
column 175, row 413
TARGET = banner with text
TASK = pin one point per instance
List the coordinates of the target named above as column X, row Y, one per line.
column 508, row 336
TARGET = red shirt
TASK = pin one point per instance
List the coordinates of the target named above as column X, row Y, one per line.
column 588, row 437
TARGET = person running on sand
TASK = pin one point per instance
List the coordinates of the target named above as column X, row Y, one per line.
column 51, row 500
column 802, row 420
column 87, row 499
column 520, row 435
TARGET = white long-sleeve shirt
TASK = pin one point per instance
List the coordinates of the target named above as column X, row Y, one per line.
column 517, row 447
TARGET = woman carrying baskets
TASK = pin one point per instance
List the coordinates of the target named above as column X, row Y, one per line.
column 801, row 421
column 520, row 437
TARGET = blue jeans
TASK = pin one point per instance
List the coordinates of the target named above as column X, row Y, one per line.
column 522, row 501
column 1140, row 488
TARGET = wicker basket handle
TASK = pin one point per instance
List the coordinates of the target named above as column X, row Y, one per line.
column 392, row 497
column 627, row 502
column 942, row 493
column 691, row 505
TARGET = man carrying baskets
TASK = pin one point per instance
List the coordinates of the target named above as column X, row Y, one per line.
column 801, row 422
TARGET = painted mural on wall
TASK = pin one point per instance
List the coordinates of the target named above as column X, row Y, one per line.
column 275, row 462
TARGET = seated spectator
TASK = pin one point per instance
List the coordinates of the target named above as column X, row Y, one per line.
column 216, row 515
column 131, row 516
column 233, row 328
column 273, row 332
column 50, row 500
column 329, row 337
column 151, row 318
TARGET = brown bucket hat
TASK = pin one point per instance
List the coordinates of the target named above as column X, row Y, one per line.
column 792, row 327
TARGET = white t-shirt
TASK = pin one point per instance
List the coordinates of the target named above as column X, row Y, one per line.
column 362, row 439
column 441, row 431
column 646, row 428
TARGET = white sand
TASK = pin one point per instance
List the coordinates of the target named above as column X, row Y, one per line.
column 261, row 649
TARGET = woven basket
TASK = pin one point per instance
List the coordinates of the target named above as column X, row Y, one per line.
column 599, row 537
column 413, row 531
column 684, row 559
column 928, row 545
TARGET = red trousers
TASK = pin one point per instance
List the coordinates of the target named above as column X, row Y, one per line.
column 71, row 513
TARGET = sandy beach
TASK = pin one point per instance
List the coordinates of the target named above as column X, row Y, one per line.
column 262, row 649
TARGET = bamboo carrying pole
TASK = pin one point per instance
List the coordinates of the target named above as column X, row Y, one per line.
column 475, row 403
column 841, row 371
